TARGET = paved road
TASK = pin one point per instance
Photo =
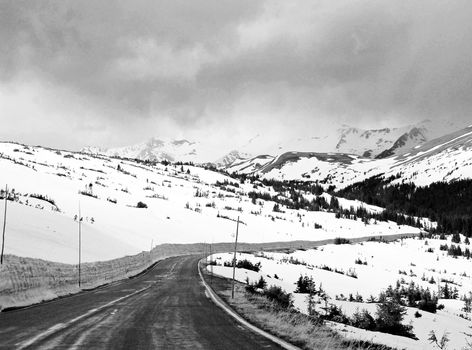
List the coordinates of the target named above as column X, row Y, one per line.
column 166, row 308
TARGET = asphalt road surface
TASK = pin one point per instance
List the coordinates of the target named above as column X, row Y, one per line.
column 165, row 308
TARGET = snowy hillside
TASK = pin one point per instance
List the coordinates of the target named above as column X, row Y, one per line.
column 446, row 158
column 353, row 276
column 185, row 204
column 328, row 169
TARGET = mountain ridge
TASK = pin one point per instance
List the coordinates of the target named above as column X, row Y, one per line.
column 367, row 143
column 445, row 158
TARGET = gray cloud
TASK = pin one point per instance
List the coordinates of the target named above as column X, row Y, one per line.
column 119, row 72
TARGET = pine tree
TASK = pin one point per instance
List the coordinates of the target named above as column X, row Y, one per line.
column 456, row 238
column 390, row 316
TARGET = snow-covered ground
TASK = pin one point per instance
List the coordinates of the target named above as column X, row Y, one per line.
column 184, row 205
column 406, row 260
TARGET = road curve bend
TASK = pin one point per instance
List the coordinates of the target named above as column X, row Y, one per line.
column 165, row 308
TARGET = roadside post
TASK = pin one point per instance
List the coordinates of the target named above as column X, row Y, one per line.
column 234, row 258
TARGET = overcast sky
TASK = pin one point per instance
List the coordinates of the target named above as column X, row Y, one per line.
column 111, row 73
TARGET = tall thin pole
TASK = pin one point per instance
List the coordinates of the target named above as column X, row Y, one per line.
column 80, row 242
column 211, row 266
column 4, row 224
column 234, row 259
column 150, row 251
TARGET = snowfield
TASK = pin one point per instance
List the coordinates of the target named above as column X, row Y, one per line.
column 185, row 204
column 382, row 264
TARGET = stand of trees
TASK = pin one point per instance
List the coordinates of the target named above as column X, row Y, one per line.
column 449, row 204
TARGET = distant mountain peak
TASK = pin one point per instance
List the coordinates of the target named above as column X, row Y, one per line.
column 154, row 149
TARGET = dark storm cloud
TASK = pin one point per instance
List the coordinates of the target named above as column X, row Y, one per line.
column 111, row 64
column 80, row 44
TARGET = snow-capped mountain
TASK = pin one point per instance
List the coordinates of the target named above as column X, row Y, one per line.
column 408, row 140
column 446, row 158
column 231, row 158
column 154, row 150
column 368, row 143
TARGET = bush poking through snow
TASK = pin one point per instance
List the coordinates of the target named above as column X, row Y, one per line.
column 244, row 264
column 274, row 293
column 87, row 193
column 43, row 197
column 278, row 295
column 340, row 240
column 141, row 205
column 305, row 285
column 363, row 319
column 440, row 343
column 360, row 262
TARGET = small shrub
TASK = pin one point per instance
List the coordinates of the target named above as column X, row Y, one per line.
column 253, row 287
column 43, row 197
column 244, row 264
column 440, row 343
column 305, row 285
column 363, row 319
column 340, row 240
column 261, row 283
column 277, row 294
column 87, row 193
column 335, row 314
column 141, row 205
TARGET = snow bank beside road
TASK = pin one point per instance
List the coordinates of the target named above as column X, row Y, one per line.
column 26, row 281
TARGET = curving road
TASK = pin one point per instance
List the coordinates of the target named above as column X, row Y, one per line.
column 165, row 308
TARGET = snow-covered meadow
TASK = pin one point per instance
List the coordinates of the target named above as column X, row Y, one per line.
column 185, row 204
column 363, row 270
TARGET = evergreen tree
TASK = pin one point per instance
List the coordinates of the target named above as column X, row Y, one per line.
column 389, row 319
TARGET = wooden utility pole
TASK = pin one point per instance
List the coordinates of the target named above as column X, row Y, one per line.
column 150, row 251
column 80, row 242
column 211, row 267
column 4, row 224
column 234, row 258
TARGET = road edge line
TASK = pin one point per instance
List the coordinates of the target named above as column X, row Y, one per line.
column 219, row 302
